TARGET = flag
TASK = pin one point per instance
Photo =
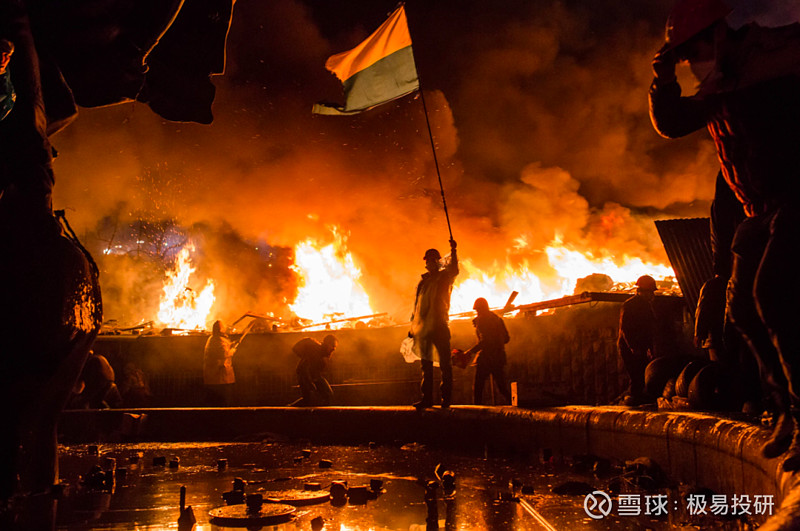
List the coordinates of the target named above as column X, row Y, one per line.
column 378, row 70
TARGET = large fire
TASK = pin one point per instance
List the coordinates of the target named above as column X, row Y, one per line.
column 572, row 265
column 569, row 265
column 330, row 292
column 329, row 287
column 495, row 286
column 181, row 306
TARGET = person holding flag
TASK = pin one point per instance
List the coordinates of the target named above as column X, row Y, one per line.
column 429, row 323
column 379, row 70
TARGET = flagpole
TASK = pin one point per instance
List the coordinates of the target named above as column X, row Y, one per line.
column 433, row 145
column 435, row 159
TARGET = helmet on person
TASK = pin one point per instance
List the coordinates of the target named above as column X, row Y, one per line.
column 481, row 304
column 690, row 17
column 646, row 283
column 432, row 254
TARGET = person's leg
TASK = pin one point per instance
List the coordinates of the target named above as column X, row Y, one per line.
column 635, row 366
column 324, row 391
column 307, row 388
column 426, row 387
column 499, row 374
column 446, row 366
column 776, row 295
column 748, row 247
column 481, row 374
column 775, row 292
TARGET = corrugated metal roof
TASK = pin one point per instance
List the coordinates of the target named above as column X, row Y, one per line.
column 688, row 246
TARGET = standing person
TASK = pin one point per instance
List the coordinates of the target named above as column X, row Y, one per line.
column 747, row 99
column 429, row 323
column 218, row 375
column 491, row 350
column 637, row 325
column 314, row 357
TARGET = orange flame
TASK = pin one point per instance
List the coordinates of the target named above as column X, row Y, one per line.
column 494, row 286
column 572, row 265
column 182, row 307
column 568, row 265
column 330, row 287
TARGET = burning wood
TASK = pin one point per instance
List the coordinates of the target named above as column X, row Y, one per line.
column 254, row 315
column 362, row 318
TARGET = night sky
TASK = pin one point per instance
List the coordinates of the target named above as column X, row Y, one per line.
column 539, row 113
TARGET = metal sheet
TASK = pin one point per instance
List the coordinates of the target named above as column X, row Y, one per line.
column 688, row 246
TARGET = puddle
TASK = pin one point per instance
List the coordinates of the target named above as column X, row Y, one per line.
column 491, row 492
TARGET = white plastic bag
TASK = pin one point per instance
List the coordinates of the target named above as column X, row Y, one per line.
column 408, row 350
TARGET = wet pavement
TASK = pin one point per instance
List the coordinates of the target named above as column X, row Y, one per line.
column 494, row 493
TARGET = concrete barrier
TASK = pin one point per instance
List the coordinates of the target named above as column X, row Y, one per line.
column 692, row 448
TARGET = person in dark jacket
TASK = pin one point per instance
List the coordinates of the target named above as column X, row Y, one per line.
column 429, row 323
column 637, row 325
column 491, row 351
column 97, row 388
column 7, row 94
column 747, row 99
column 314, row 357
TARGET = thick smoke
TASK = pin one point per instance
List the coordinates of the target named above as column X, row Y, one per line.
column 538, row 109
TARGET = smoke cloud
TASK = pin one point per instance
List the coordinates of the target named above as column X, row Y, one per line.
column 539, row 115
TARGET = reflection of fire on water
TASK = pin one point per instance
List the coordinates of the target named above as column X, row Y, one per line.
column 181, row 307
column 329, row 283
